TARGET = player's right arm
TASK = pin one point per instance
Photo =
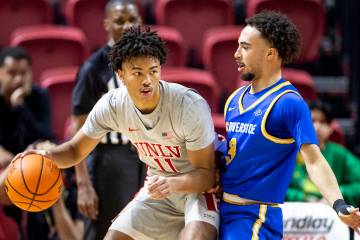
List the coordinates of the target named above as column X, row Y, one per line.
column 100, row 121
column 74, row 151
column 69, row 153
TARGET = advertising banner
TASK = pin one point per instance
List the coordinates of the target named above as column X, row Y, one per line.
column 312, row 221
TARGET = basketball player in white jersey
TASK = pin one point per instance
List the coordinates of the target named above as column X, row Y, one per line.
column 171, row 127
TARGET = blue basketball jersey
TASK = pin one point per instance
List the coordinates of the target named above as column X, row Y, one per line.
column 259, row 165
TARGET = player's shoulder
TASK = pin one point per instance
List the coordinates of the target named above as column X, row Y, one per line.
column 117, row 95
column 291, row 102
column 291, row 98
column 180, row 93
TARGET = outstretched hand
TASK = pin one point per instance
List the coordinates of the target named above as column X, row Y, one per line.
column 352, row 219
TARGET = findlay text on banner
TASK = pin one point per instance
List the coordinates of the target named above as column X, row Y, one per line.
column 315, row 221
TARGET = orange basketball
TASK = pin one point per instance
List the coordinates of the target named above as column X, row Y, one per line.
column 33, row 183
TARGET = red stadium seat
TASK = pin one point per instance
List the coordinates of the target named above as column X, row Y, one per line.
column 337, row 135
column 308, row 15
column 51, row 46
column 89, row 16
column 16, row 14
column 219, row 47
column 219, row 124
column 60, row 83
column 200, row 80
column 302, row 81
column 175, row 44
column 8, row 228
column 193, row 18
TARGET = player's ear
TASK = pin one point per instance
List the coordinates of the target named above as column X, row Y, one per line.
column 120, row 74
column 107, row 24
column 272, row 53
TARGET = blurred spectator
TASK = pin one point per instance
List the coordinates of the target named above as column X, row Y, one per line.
column 344, row 164
column 112, row 163
column 24, row 110
column 24, row 107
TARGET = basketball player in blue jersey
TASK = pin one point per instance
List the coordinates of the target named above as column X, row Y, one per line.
column 267, row 124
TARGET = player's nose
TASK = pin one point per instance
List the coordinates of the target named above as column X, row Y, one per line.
column 237, row 54
column 147, row 80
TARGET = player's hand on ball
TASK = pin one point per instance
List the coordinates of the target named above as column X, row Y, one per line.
column 32, row 151
column 158, row 187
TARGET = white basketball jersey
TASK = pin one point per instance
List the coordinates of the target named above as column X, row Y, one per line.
column 184, row 124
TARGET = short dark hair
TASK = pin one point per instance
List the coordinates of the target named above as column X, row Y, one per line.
column 324, row 108
column 17, row 53
column 279, row 31
column 135, row 42
column 111, row 3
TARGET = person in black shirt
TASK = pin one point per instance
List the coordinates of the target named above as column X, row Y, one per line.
column 25, row 122
column 24, row 107
column 115, row 171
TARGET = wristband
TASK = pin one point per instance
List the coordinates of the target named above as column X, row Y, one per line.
column 340, row 206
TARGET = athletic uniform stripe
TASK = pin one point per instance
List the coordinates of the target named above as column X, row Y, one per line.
column 210, row 201
column 229, row 100
column 257, row 225
column 254, row 104
column 263, row 123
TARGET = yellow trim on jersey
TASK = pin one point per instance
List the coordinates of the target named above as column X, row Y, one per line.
column 263, row 122
column 259, row 222
column 236, row 200
column 229, row 100
column 274, row 89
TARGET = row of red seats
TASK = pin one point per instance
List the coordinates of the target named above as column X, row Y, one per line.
column 308, row 15
column 55, row 46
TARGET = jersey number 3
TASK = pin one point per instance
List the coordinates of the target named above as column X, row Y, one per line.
column 232, row 151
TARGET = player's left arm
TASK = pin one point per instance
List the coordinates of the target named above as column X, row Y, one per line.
column 323, row 177
column 201, row 179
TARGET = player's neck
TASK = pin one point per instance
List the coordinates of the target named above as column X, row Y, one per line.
column 267, row 80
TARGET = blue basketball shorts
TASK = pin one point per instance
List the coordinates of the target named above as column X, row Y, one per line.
column 250, row 222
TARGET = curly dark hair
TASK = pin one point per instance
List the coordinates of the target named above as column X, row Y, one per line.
column 279, row 31
column 135, row 42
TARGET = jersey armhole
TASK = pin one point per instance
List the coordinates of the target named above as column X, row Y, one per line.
column 265, row 133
